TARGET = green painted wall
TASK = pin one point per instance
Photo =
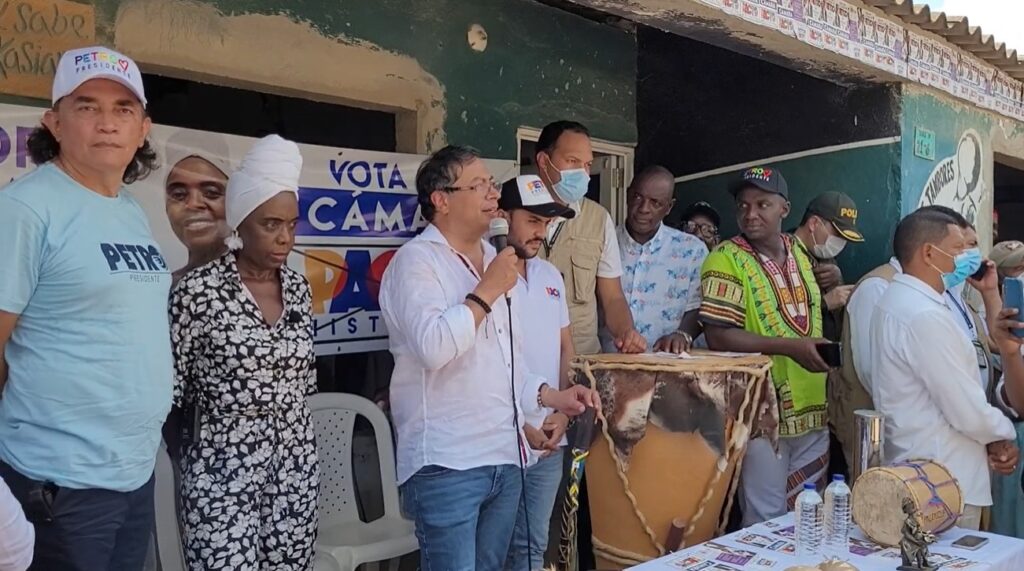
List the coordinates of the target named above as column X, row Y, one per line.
column 870, row 175
column 540, row 63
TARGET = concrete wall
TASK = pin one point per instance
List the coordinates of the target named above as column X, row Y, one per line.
column 467, row 71
column 967, row 141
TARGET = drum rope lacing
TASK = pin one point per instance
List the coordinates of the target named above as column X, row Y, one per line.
column 933, row 489
column 737, row 440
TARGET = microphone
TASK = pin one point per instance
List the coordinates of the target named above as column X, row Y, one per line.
column 498, row 232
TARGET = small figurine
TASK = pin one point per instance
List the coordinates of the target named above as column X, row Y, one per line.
column 915, row 542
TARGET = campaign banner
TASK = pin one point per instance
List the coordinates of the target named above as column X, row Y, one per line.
column 356, row 208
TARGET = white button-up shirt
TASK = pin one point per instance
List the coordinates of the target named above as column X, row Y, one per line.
column 451, row 390
column 859, row 310
column 924, row 380
column 17, row 535
column 661, row 281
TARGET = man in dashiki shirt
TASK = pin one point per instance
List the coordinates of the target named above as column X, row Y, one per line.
column 760, row 296
column 660, row 266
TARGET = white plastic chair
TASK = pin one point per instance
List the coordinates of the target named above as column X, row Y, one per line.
column 168, row 533
column 342, row 536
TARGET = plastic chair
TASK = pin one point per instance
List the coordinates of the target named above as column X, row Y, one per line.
column 342, row 536
column 168, row 533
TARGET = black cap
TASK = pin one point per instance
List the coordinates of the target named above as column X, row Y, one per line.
column 768, row 179
column 840, row 210
column 704, row 209
column 528, row 192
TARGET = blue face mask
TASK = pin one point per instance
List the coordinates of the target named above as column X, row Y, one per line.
column 964, row 264
column 573, row 185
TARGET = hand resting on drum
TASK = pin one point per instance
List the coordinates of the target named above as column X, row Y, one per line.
column 572, row 401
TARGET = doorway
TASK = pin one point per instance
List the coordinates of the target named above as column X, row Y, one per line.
column 1008, row 183
column 610, row 174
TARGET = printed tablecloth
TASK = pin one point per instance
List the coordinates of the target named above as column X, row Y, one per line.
column 770, row 546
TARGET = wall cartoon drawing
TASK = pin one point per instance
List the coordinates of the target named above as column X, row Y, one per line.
column 957, row 181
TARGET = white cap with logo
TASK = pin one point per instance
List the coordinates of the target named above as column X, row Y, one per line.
column 97, row 62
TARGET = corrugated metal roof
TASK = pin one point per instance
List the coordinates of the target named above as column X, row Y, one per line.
column 958, row 31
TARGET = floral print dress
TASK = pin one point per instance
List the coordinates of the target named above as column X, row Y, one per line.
column 249, row 471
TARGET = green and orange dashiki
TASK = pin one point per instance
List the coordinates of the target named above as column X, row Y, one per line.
column 743, row 288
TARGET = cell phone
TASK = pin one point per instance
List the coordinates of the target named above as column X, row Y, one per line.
column 982, row 270
column 1013, row 297
column 970, row 542
column 831, row 353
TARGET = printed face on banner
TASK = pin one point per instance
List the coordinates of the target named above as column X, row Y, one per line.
column 958, row 181
column 356, row 208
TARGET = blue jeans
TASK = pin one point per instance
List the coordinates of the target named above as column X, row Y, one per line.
column 542, row 481
column 464, row 518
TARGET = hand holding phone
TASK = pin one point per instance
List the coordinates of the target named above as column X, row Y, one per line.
column 1013, row 298
column 831, row 353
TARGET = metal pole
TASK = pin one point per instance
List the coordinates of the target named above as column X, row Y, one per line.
column 870, row 425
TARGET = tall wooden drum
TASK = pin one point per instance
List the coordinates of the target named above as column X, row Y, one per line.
column 878, row 496
column 672, row 434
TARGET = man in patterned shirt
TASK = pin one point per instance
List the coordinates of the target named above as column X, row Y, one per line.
column 760, row 296
column 660, row 266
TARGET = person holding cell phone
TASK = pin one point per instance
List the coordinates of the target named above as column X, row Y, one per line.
column 925, row 373
column 761, row 296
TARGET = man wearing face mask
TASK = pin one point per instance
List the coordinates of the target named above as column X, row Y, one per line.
column 584, row 249
column 829, row 224
column 924, row 372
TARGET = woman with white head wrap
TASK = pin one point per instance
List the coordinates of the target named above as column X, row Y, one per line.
column 197, row 165
column 242, row 330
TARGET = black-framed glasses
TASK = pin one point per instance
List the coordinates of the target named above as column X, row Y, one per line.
column 481, row 187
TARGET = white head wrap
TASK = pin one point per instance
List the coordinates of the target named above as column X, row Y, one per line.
column 185, row 143
column 270, row 167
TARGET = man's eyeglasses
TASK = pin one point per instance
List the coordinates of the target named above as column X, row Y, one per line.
column 700, row 229
column 481, row 187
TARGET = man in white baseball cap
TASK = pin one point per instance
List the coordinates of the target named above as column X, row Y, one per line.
column 83, row 323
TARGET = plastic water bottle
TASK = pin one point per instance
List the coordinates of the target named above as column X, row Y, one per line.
column 837, row 518
column 809, row 522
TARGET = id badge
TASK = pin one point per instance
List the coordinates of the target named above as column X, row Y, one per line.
column 980, row 351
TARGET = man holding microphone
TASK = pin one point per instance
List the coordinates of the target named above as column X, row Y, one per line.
column 460, row 387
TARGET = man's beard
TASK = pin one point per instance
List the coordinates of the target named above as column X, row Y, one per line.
column 521, row 252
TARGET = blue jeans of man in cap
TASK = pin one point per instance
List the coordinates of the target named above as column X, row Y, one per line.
column 464, row 518
column 542, row 481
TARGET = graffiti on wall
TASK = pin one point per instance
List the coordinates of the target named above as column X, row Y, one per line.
column 958, row 181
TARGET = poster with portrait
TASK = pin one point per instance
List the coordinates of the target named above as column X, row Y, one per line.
column 356, row 208
column 958, row 181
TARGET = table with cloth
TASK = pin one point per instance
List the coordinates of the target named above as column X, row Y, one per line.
column 770, row 546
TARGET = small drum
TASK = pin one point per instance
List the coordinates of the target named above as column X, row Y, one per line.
column 664, row 459
column 879, row 492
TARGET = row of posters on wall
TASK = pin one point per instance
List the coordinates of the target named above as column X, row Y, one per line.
column 355, row 209
column 861, row 34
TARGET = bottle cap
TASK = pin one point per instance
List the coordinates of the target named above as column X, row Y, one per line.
column 838, row 478
column 810, row 486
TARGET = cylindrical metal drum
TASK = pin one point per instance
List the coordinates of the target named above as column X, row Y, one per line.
column 870, row 426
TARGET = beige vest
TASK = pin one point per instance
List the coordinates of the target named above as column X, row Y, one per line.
column 576, row 253
column 846, row 393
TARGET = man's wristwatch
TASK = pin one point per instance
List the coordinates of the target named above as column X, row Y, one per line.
column 687, row 336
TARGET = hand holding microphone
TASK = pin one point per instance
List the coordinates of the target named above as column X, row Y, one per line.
column 501, row 274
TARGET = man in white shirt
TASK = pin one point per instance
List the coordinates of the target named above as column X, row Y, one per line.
column 17, row 537
column 660, row 266
column 460, row 386
column 924, row 377
column 547, row 350
column 851, row 389
column 584, row 249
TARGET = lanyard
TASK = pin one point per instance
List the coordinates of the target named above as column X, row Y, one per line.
column 549, row 244
column 963, row 312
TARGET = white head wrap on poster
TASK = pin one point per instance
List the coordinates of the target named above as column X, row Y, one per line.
column 186, row 143
column 271, row 167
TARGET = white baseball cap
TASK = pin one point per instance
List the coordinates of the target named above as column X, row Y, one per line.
column 97, row 62
column 528, row 192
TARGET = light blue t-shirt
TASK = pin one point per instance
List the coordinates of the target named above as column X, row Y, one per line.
column 90, row 369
